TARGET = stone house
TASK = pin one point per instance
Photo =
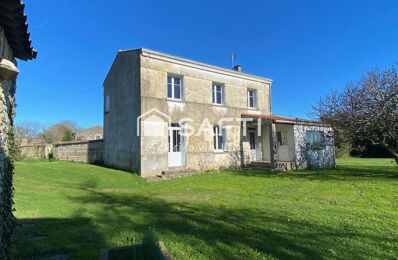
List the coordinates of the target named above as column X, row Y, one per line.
column 14, row 43
column 88, row 134
column 165, row 112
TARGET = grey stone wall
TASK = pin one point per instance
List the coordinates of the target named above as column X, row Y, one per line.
column 34, row 149
column 34, row 152
column 7, row 106
column 84, row 151
column 88, row 151
column 121, row 144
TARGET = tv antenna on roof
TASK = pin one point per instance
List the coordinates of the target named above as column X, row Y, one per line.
column 233, row 58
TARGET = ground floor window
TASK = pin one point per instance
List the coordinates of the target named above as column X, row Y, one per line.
column 220, row 134
column 315, row 139
column 282, row 138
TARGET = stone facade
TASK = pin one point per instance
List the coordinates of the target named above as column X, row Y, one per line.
column 136, row 96
column 141, row 75
column 122, row 85
column 14, row 43
column 7, row 106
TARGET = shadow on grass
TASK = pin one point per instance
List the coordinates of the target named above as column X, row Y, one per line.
column 223, row 233
column 199, row 230
column 44, row 237
column 103, row 165
column 339, row 173
column 203, row 230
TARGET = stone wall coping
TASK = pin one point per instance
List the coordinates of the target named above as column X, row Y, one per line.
column 77, row 142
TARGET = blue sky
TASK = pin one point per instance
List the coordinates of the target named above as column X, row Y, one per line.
column 306, row 47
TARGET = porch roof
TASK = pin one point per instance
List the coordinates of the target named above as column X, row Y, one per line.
column 13, row 20
column 283, row 119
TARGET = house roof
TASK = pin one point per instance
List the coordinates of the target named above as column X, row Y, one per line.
column 201, row 65
column 13, row 20
column 283, row 119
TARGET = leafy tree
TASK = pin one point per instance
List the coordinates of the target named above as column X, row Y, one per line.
column 68, row 135
column 62, row 131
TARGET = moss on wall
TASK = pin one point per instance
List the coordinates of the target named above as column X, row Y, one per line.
column 7, row 151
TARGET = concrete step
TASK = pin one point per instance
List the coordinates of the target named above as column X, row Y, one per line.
column 280, row 166
column 261, row 165
column 177, row 172
column 261, row 168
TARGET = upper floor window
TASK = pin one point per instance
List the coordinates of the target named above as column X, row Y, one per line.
column 218, row 94
column 220, row 137
column 251, row 98
column 174, row 87
column 107, row 103
column 315, row 139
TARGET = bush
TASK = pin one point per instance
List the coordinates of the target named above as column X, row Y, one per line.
column 51, row 157
column 343, row 150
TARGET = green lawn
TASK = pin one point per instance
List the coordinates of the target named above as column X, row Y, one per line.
column 350, row 212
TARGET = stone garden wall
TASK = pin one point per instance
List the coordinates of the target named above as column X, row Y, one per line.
column 83, row 151
column 32, row 149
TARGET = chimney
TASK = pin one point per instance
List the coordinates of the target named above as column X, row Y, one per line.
column 237, row 68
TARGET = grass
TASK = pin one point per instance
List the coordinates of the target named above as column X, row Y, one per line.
column 77, row 209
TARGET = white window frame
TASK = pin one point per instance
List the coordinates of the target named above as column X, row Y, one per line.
column 219, row 132
column 107, row 103
column 214, row 93
column 254, row 91
column 173, row 77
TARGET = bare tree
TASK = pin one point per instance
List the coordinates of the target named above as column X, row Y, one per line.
column 28, row 129
column 366, row 110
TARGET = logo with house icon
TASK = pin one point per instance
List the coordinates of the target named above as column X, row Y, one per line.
column 153, row 123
